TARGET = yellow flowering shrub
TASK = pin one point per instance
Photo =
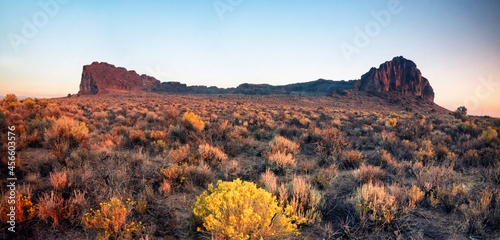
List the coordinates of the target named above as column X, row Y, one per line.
column 24, row 209
column 66, row 129
column 489, row 134
column 391, row 122
column 110, row 220
column 240, row 210
column 158, row 135
column 414, row 196
column 192, row 121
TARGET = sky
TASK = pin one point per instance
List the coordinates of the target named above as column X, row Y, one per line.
column 455, row 43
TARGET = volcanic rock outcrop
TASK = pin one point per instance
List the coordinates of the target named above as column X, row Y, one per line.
column 101, row 78
column 398, row 75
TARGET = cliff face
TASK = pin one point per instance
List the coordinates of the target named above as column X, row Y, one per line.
column 398, row 75
column 100, row 78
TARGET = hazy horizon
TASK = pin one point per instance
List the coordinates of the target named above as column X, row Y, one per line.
column 222, row 43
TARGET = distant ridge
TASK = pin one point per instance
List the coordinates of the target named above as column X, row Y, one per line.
column 399, row 75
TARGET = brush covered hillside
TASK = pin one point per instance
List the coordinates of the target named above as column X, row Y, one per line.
column 351, row 170
column 377, row 161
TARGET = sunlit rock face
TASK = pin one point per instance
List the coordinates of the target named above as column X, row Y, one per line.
column 100, row 78
column 398, row 75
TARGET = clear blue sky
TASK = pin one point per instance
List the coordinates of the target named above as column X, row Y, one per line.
column 454, row 43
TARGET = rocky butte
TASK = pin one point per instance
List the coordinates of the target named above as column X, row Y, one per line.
column 102, row 78
column 400, row 76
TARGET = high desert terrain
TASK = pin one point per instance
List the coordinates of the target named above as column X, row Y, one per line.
column 129, row 157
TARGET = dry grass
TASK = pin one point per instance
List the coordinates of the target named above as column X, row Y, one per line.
column 282, row 161
column 51, row 206
column 369, row 173
column 212, row 155
column 269, row 181
column 284, row 145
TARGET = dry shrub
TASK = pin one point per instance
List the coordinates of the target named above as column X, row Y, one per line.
column 180, row 154
column 333, row 142
column 414, row 196
column 494, row 174
column 425, row 152
column 60, row 150
column 489, row 134
column 400, row 195
column 431, row 177
column 375, row 202
column 388, row 160
column 65, row 133
column 212, row 155
column 158, row 135
column 281, row 161
column 303, row 198
column 76, row 205
column 269, row 181
column 232, row 168
column 477, row 212
column 451, row 196
column 307, row 165
column 493, row 218
column 137, row 136
column 121, row 119
column 29, row 103
column 200, row 175
column 284, row 145
column 98, row 116
column 66, row 129
column 59, row 180
column 192, row 121
column 165, row 186
column 184, row 175
column 441, row 151
column 51, row 206
column 324, row 176
column 151, row 117
column 174, row 174
column 159, row 146
column 369, row 173
column 353, row 159
column 33, row 178
column 10, row 101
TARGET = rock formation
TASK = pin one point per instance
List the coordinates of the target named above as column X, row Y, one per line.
column 398, row 75
column 100, row 78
